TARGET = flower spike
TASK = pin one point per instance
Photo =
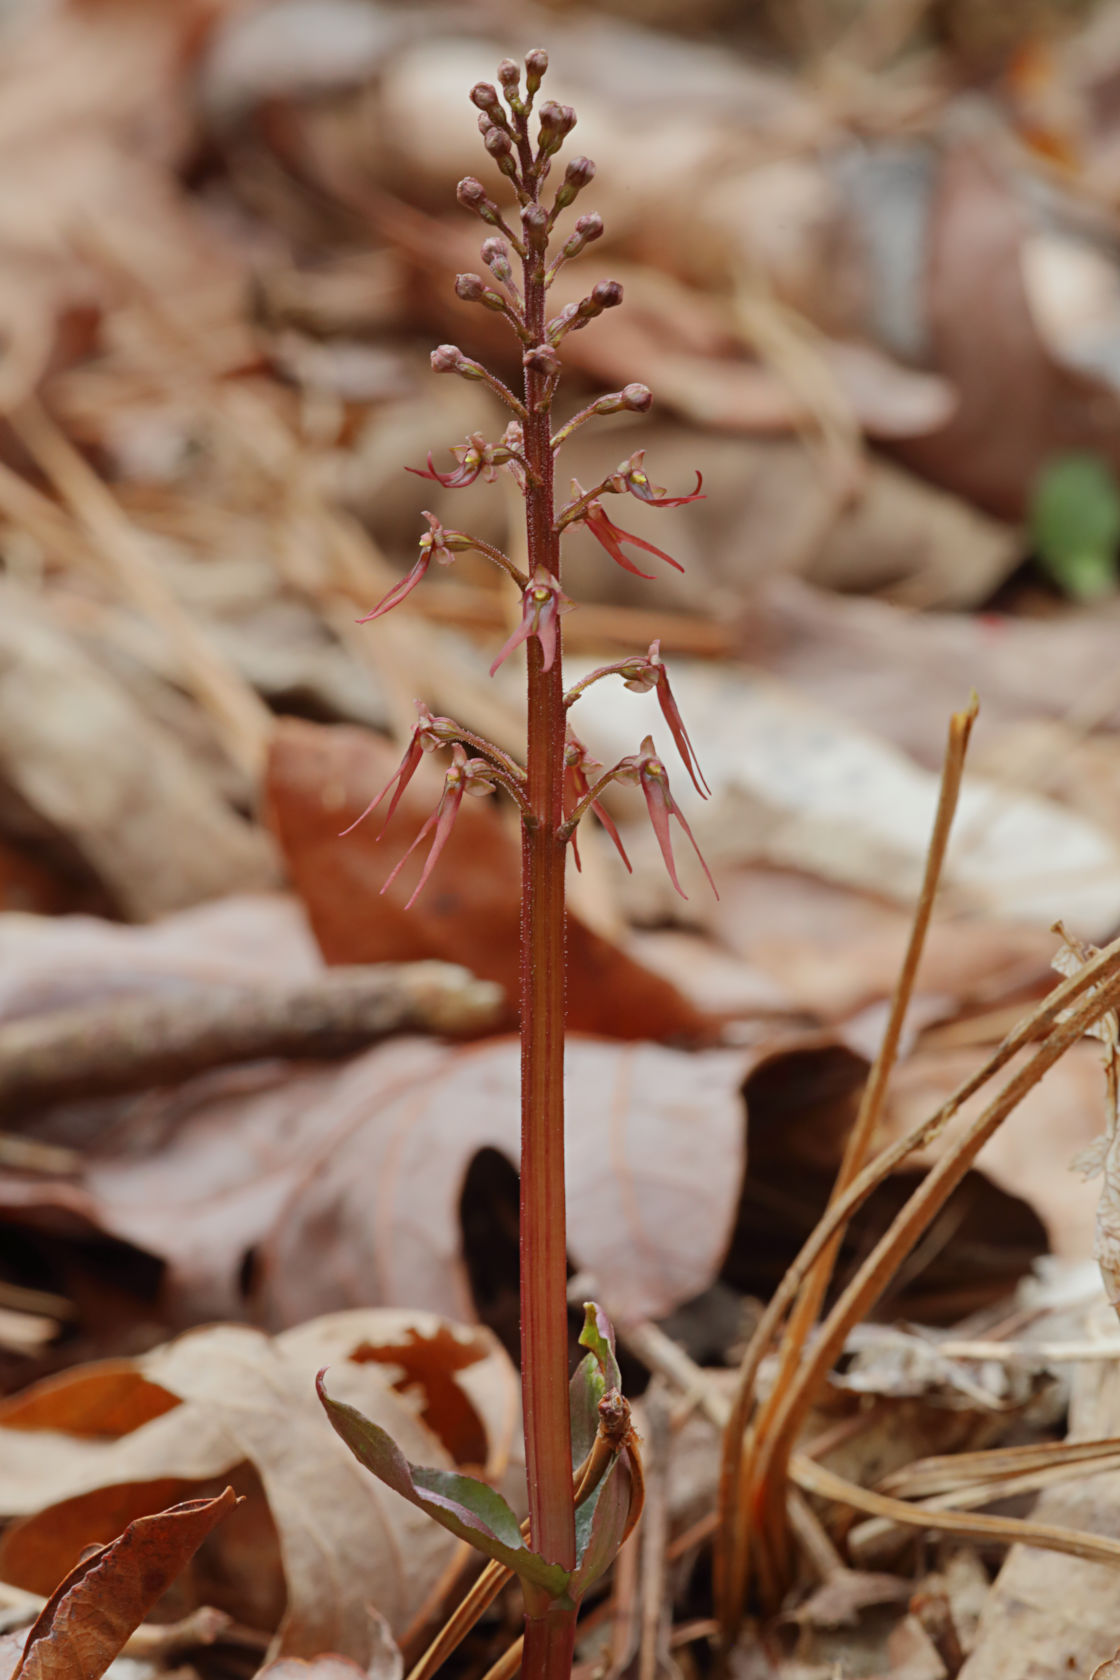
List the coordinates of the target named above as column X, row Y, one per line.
column 650, row 773
column 543, row 603
column 611, row 536
column 640, row 675
column 466, row 775
column 577, row 785
column 428, row 733
column 435, row 544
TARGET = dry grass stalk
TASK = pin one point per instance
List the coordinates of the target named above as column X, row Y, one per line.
column 867, row 1119
column 1094, row 1548
column 1100, row 979
column 243, row 721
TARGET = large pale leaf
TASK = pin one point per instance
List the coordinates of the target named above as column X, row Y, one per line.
column 318, row 1532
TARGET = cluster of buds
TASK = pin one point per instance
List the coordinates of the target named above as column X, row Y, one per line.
column 527, row 454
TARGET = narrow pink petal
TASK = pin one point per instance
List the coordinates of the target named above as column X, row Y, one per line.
column 399, row 590
column 640, row 542
column 607, row 821
column 521, row 634
column 606, row 534
column 697, row 495
column 673, row 718
column 430, row 471
column 547, row 618
column 427, row 828
column 402, row 775
column 447, row 811
column 657, row 803
column 676, row 810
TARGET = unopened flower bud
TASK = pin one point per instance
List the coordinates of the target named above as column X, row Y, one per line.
column 495, row 254
column 542, row 358
column 536, row 63
column 509, row 75
column 485, row 96
column 607, row 293
column 446, row 358
column 497, row 142
column 579, row 174
column 534, row 219
column 634, row 398
column 587, row 228
column 557, row 122
column 469, row 287
column 637, row 398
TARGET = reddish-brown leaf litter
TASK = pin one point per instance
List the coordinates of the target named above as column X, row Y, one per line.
column 259, row 1111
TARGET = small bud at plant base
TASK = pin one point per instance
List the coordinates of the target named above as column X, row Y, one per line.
column 542, row 358
column 536, row 64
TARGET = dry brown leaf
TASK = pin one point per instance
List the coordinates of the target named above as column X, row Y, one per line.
column 1017, row 406
column 1047, row 1613
column 245, row 1399
column 88, row 768
column 91, row 1614
column 655, row 1154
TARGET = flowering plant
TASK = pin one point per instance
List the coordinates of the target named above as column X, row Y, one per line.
column 583, row 1468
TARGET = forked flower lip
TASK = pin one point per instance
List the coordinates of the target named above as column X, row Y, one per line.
column 611, row 536
column 654, row 781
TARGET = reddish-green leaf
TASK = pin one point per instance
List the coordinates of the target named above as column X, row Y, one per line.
column 90, row 1615
column 468, row 1508
column 601, row 1525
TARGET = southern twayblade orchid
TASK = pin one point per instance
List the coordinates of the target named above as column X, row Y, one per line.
column 559, row 784
column 649, row 772
column 640, row 675
column 578, row 762
column 435, row 544
column 466, row 775
column 611, row 536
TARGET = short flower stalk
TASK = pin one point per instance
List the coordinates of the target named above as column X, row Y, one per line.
column 558, row 786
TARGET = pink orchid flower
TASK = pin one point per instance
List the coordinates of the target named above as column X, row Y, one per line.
column 631, row 477
column 428, row 733
column 466, row 775
column 611, row 536
column 640, row 676
column 543, row 604
column 435, row 544
column 649, row 772
column 580, row 771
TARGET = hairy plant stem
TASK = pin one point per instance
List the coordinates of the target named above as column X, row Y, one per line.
column 544, row 1314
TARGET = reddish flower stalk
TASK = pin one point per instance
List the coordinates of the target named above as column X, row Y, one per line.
column 558, row 785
